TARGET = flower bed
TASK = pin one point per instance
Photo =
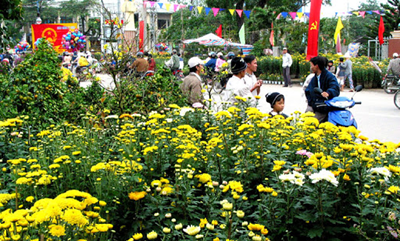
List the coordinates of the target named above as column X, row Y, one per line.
column 363, row 72
column 182, row 175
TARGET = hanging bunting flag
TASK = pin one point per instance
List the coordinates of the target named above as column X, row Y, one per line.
column 271, row 37
column 152, row 4
column 232, row 11
column 313, row 29
column 190, row 8
column 299, row 14
column 369, row 12
column 279, row 16
column 200, row 9
column 381, row 31
column 160, row 4
column 293, row 15
column 376, row 11
column 241, row 35
column 145, row 4
column 284, row 14
column 167, row 6
column 350, row 13
column 247, row 13
column 339, row 27
column 239, row 12
column 356, row 13
column 182, row 6
column 208, row 10
column 307, row 14
column 362, row 14
column 219, row 31
column 215, row 11
column 175, row 7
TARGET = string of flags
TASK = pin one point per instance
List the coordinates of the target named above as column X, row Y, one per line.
column 301, row 14
column 215, row 11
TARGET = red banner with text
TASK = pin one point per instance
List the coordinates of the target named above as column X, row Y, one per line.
column 313, row 29
column 52, row 33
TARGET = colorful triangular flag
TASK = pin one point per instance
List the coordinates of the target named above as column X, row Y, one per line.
column 284, row 14
column 160, row 4
column 362, row 14
column 167, row 6
column 293, row 15
column 376, row 11
column 215, row 11
column 300, row 14
column 175, row 7
column 247, row 13
column 239, row 12
column 152, row 4
column 200, row 9
column 307, row 14
column 190, row 8
column 232, row 11
column 356, row 13
column 207, row 10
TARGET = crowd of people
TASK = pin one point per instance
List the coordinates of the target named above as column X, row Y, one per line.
column 243, row 83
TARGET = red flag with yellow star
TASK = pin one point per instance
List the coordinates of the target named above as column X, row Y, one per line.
column 313, row 29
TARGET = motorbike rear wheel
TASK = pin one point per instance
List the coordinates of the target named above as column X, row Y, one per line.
column 397, row 99
column 388, row 84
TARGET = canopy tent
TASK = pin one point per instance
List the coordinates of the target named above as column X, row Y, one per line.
column 207, row 38
column 213, row 40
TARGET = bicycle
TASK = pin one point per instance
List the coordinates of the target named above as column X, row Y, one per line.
column 396, row 99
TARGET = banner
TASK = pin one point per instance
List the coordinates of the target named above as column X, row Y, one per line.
column 141, row 35
column 271, row 37
column 242, row 35
column 381, row 31
column 313, row 29
column 52, row 33
column 219, row 31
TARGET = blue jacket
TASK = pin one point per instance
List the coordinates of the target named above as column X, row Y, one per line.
column 328, row 83
column 211, row 64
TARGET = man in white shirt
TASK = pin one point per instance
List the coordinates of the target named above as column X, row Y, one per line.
column 250, row 78
column 287, row 62
column 236, row 85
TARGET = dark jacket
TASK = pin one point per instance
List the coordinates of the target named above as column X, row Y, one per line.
column 211, row 64
column 328, row 84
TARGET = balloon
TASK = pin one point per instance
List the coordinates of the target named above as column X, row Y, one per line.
column 73, row 40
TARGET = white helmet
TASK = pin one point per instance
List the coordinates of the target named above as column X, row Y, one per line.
column 395, row 55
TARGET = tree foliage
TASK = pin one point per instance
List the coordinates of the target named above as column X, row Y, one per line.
column 10, row 11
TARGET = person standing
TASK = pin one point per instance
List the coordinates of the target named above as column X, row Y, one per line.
column 175, row 62
column 324, row 80
column 340, row 73
column 191, row 85
column 250, row 78
column 331, row 67
column 347, row 65
column 286, row 63
column 152, row 63
column 236, row 85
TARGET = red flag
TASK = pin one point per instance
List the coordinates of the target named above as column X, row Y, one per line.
column 381, row 31
column 313, row 29
column 271, row 37
column 338, row 46
column 219, row 31
column 141, row 35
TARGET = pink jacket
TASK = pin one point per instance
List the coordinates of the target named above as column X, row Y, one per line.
column 219, row 63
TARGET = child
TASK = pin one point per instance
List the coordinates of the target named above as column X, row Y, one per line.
column 277, row 102
column 340, row 73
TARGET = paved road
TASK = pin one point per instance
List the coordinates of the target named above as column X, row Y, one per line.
column 377, row 116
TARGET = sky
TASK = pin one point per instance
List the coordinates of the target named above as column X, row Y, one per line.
column 342, row 6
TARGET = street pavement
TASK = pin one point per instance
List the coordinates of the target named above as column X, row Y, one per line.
column 377, row 116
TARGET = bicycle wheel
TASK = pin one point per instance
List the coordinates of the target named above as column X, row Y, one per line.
column 397, row 99
column 388, row 85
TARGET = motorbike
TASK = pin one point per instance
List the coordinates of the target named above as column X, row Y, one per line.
column 391, row 83
column 338, row 108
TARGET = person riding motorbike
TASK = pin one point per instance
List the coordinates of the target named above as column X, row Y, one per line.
column 140, row 65
column 327, row 82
